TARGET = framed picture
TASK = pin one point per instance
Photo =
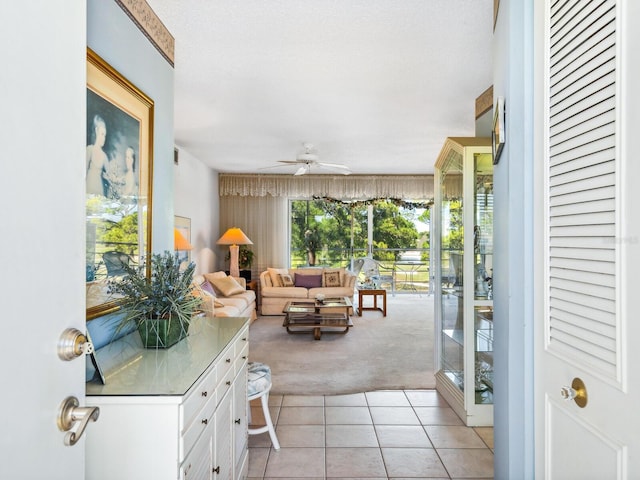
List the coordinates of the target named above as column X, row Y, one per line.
column 183, row 226
column 119, row 168
column 498, row 133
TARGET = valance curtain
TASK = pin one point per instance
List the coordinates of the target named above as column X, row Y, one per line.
column 341, row 187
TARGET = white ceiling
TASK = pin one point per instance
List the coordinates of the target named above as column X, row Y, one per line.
column 375, row 84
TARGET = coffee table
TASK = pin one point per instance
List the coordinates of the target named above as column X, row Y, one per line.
column 315, row 316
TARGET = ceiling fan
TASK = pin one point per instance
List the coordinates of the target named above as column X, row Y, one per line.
column 308, row 158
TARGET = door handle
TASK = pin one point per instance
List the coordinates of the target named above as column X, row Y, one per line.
column 576, row 392
column 70, row 413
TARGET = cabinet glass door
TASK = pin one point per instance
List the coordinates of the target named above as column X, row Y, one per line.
column 451, row 261
column 483, row 281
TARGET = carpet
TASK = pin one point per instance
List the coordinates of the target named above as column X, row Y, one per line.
column 378, row 353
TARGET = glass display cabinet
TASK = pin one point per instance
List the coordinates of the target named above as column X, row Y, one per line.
column 463, row 237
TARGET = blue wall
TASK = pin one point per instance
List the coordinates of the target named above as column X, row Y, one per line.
column 114, row 36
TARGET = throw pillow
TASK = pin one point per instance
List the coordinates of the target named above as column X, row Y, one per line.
column 339, row 271
column 274, row 274
column 308, row 281
column 286, row 280
column 218, row 303
column 211, row 277
column 331, row 279
column 206, row 286
column 227, row 286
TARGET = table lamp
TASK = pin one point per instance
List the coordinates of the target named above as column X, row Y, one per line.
column 179, row 242
column 234, row 237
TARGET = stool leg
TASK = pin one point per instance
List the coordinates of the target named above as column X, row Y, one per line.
column 267, row 418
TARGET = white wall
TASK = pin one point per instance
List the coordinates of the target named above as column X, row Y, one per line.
column 197, row 197
column 513, row 264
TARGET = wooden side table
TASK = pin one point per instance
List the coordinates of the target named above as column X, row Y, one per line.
column 374, row 293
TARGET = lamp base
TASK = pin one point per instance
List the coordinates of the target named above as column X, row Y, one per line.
column 234, row 254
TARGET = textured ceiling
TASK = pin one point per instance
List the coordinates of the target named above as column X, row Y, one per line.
column 375, row 84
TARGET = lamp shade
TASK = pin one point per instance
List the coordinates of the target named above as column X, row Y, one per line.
column 179, row 242
column 234, row 236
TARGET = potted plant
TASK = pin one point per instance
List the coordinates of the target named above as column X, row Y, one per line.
column 161, row 307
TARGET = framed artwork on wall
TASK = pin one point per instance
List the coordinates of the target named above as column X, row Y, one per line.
column 498, row 132
column 118, row 180
column 183, row 226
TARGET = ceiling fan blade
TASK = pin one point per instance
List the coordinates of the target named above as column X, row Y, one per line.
column 302, row 170
column 291, row 162
column 342, row 169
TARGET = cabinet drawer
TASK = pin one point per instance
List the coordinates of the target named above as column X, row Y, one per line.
column 199, row 424
column 226, row 361
column 242, row 357
column 198, row 397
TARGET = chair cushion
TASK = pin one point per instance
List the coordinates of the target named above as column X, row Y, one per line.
column 258, row 378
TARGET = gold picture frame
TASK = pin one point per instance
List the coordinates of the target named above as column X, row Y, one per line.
column 118, row 181
column 498, row 133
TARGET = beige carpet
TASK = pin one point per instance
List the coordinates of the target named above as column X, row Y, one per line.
column 378, row 353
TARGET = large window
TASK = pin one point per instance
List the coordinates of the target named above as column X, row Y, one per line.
column 329, row 232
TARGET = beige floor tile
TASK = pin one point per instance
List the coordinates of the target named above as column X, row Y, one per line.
column 394, row 416
column 257, row 415
column 407, row 436
column 352, row 400
column 300, row 435
column 296, row 462
column 467, row 462
column 351, row 436
column 486, row 434
column 425, row 398
column 348, row 416
column 453, row 437
column 257, row 461
column 437, row 416
column 303, row 401
column 354, row 462
column 413, row 462
column 387, row 398
column 301, row 416
column 415, row 478
column 260, row 440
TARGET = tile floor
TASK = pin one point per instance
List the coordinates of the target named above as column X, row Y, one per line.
column 374, row 435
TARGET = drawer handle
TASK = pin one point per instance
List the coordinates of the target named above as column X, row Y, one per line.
column 244, row 357
column 237, row 421
column 204, row 394
column 228, row 382
column 244, row 339
column 217, row 469
column 205, row 421
column 228, row 360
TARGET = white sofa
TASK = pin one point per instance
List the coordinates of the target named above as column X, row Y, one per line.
column 274, row 295
column 223, row 298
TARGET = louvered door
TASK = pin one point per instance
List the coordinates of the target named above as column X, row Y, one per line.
column 589, row 242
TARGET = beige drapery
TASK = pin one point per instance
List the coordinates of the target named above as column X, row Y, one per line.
column 341, row 187
column 259, row 204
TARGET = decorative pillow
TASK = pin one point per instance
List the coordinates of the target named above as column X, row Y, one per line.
column 211, row 278
column 206, row 286
column 331, row 279
column 218, row 304
column 339, row 271
column 275, row 273
column 227, row 286
column 308, row 281
column 285, row 280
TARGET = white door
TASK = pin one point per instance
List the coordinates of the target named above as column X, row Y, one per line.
column 42, row 97
column 589, row 238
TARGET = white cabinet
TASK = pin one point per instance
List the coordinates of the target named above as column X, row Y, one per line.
column 175, row 413
column 463, row 239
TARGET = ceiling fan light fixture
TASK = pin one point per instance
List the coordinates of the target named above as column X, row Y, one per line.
column 302, row 170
